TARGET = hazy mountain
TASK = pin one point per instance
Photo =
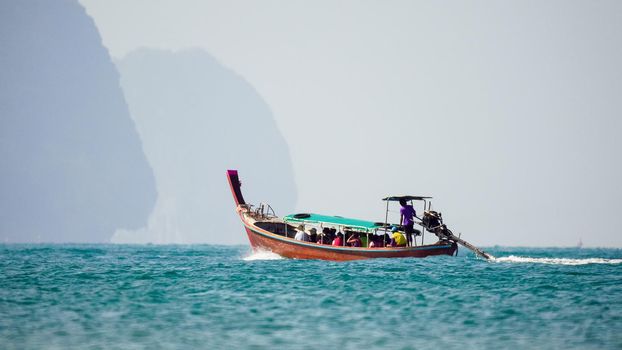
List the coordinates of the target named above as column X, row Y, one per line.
column 72, row 165
column 197, row 119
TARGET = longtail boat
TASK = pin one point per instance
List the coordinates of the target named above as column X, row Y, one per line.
column 266, row 231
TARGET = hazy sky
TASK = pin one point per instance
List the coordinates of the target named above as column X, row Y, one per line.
column 509, row 113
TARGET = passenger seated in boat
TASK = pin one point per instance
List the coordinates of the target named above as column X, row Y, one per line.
column 332, row 235
column 374, row 241
column 322, row 237
column 397, row 238
column 354, row 240
column 386, row 240
column 347, row 233
column 301, row 235
column 371, row 240
column 338, row 241
column 313, row 235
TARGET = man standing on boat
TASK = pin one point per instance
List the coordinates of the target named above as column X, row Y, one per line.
column 407, row 219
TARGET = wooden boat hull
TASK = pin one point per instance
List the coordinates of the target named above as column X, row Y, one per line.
column 286, row 247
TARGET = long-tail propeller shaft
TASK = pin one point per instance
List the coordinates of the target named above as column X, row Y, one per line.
column 433, row 222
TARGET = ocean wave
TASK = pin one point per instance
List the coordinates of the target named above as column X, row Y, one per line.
column 556, row 261
column 262, row 255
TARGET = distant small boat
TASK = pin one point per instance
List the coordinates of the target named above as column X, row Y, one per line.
column 266, row 231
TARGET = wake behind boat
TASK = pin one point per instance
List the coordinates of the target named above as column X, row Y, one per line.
column 316, row 236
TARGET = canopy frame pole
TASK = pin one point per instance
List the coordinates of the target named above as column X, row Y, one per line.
column 414, row 236
column 425, row 203
column 386, row 222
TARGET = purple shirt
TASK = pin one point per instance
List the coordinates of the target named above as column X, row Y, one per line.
column 408, row 212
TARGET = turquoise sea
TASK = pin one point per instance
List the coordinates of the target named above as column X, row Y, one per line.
column 223, row 297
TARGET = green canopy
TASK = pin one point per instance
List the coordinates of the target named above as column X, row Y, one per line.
column 355, row 224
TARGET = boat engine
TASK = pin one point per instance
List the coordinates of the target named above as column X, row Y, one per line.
column 432, row 220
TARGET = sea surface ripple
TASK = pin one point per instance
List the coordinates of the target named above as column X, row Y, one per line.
column 223, row 297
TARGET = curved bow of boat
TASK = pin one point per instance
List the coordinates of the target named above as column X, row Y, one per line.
column 236, row 186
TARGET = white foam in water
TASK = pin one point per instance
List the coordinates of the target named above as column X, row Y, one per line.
column 262, row 255
column 557, row 261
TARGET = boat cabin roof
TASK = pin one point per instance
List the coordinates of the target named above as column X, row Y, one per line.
column 406, row 198
column 354, row 224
